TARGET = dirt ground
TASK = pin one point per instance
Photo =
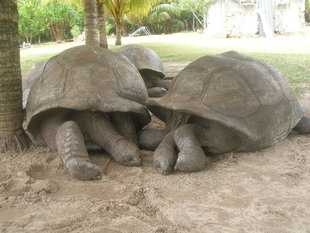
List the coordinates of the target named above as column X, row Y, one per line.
column 265, row 191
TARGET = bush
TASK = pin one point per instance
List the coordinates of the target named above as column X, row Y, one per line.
column 75, row 31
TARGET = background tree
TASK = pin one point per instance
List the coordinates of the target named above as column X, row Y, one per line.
column 32, row 20
column 164, row 17
column 133, row 8
column 90, row 22
column 90, row 18
column 39, row 18
column 196, row 8
column 168, row 16
column 12, row 136
column 103, row 42
column 58, row 16
column 307, row 11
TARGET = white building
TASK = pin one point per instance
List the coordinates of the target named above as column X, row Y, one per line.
column 227, row 18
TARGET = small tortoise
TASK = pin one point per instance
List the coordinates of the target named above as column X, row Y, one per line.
column 87, row 93
column 150, row 67
column 224, row 103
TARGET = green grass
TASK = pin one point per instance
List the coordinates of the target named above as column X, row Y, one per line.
column 291, row 57
column 295, row 67
column 28, row 60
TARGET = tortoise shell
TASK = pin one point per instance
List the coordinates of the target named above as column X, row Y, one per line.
column 87, row 78
column 28, row 78
column 237, row 91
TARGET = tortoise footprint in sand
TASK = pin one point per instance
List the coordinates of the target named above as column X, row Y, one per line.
column 218, row 104
column 87, row 93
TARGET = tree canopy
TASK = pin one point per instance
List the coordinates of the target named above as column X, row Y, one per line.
column 131, row 8
column 51, row 19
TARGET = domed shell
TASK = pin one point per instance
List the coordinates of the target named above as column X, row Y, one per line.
column 143, row 58
column 239, row 92
column 87, row 78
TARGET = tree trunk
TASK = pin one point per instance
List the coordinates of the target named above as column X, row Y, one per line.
column 90, row 21
column 118, row 40
column 12, row 136
column 103, row 42
column 194, row 28
column 186, row 25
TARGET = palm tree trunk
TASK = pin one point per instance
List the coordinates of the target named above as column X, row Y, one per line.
column 90, row 21
column 12, row 136
column 103, row 42
column 118, row 40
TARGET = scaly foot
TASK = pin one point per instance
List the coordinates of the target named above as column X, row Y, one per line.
column 83, row 169
column 190, row 162
column 126, row 153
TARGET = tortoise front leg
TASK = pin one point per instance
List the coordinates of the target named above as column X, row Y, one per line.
column 66, row 137
column 303, row 125
column 156, row 91
column 165, row 155
column 191, row 157
column 101, row 131
column 72, row 151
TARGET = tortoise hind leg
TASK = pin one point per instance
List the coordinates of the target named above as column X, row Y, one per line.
column 303, row 125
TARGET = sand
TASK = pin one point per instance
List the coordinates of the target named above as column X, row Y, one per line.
column 264, row 191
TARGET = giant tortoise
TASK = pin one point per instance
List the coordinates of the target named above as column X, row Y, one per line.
column 150, row 67
column 224, row 103
column 87, row 93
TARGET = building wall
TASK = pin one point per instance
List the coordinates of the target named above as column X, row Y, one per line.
column 229, row 18
column 289, row 16
column 216, row 16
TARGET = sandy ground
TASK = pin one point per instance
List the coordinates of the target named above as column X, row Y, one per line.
column 266, row 191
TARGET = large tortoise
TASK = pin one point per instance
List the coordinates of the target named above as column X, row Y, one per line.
column 150, row 67
column 224, row 103
column 87, row 93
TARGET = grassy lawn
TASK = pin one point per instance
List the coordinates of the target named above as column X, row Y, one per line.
column 291, row 55
column 28, row 60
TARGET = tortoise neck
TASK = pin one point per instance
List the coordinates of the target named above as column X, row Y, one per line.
column 176, row 119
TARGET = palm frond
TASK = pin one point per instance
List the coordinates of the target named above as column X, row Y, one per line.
column 169, row 8
column 139, row 8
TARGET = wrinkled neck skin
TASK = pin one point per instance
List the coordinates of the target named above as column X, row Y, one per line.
column 150, row 138
column 175, row 120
